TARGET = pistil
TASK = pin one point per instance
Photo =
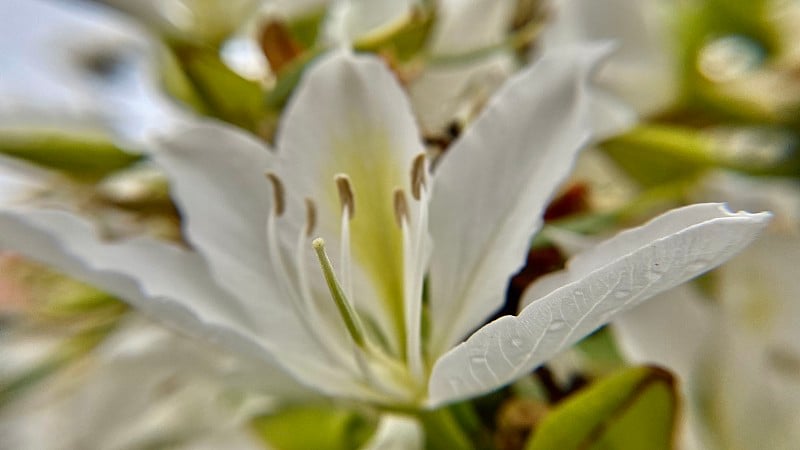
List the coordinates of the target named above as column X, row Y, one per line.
column 346, row 310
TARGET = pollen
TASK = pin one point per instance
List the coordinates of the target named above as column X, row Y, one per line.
column 418, row 179
column 400, row 207
column 278, row 193
column 346, row 196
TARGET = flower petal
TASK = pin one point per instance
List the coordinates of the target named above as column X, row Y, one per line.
column 217, row 176
column 615, row 276
column 643, row 71
column 396, row 432
column 352, row 20
column 217, row 179
column 647, row 335
column 492, row 185
column 20, row 180
column 350, row 116
column 174, row 286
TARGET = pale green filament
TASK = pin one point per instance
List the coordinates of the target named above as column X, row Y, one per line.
column 354, row 326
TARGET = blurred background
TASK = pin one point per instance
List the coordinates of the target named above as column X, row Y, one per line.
column 703, row 105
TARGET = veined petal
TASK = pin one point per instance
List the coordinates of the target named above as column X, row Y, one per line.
column 492, row 185
column 615, row 276
column 349, row 116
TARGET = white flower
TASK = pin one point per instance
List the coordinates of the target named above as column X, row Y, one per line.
column 736, row 352
column 350, row 168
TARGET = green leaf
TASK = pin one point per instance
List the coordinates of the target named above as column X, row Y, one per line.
column 318, row 427
column 225, row 94
column 87, row 155
column 656, row 154
column 601, row 350
column 305, row 28
column 631, row 410
column 444, row 431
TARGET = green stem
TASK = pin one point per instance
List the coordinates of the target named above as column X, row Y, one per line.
column 443, row 432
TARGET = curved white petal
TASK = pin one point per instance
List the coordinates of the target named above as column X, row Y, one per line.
column 217, row 175
column 396, row 432
column 643, row 70
column 175, row 287
column 615, row 276
column 217, row 179
column 492, row 185
column 350, row 116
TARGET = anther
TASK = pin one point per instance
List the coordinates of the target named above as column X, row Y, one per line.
column 418, row 176
column 400, row 207
column 346, row 310
column 345, row 194
column 311, row 216
column 277, row 192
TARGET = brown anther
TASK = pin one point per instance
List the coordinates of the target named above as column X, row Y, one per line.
column 418, row 178
column 311, row 216
column 277, row 193
column 400, row 207
column 345, row 194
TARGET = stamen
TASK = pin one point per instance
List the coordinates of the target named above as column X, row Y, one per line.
column 345, row 262
column 345, row 194
column 400, row 207
column 418, row 178
column 277, row 192
column 346, row 310
column 311, row 217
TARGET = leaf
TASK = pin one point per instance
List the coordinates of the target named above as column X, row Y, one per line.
column 633, row 409
column 227, row 95
column 654, row 155
column 318, row 427
column 88, row 155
